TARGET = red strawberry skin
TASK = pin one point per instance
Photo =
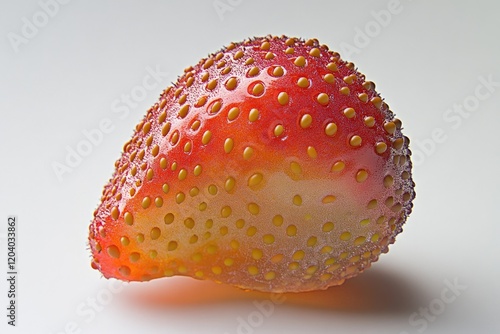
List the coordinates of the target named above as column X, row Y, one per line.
column 270, row 165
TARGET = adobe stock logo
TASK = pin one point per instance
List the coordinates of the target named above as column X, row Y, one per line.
column 31, row 27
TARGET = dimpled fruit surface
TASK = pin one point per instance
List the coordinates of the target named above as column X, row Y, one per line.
column 271, row 165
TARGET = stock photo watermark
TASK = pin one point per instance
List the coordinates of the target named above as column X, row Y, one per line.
column 93, row 137
column 454, row 117
column 88, row 310
column 31, row 26
column 221, row 7
column 425, row 315
column 263, row 310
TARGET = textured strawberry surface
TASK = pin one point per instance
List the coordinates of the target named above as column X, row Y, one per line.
column 270, row 165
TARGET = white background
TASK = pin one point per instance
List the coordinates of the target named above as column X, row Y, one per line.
column 426, row 57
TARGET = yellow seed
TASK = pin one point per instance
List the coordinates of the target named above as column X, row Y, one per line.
column 172, row 245
column 329, row 78
column 115, row 213
column 197, row 170
column 228, row 145
column 390, row 127
column 372, row 204
column 363, row 97
column 297, row 200
column 311, row 242
column 166, row 129
column 398, row 144
column 187, row 147
column 345, row 91
column 359, row 241
column 251, row 231
column 278, row 71
column 209, row 62
column 361, row 176
column 174, row 139
column 314, row 52
column 298, row 255
column 155, row 150
column 125, row 241
column 155, row 233
column 257, row 89
column 293, row 265
column 194, row 191
column 249, row 61
column 349, row 79
column 265, row 46
column 256, row 254
column 179, row 198
column 377, row 102
column 255, row 179
column 349, row 112
column 388, row 181
column 184, row 110
column 247, row 153
column 380, row 147
column 311, row 270
column 338, row 166
column 212, row 189
column 229, row 184
column 162, row 117
column 182, row 174
column 311, row 152
column 238, row 55
column 158, row 202
column 283, row 98
column 196, row 257
column 278, row 130
column 269, row 56
column 140, row 237
column 206, row 137
column 375, row 237
column 217, row 270
column 201, row 102
column 113, row 251
column 253, row 208
column 169, row 218
column 216, row 107
column 305, row 121
column 300, row 61
column 278, row 220
column 277, row 258
column 291, row 230
column 330, row 129
column 233, row 113
column 332, row 67
column 355, row 141
column 128, row 218
column 212, row 249
column 328, row 199
column 364, row 222
column 212, row 84
column 345, row 236
column 228, row 262
column 205, row 77
column 252, row 270
column 146, row 127
column 295, row 167
column 146, row 202
column 328, row 226
column 369, row 121
column 253, row 115
column 323, row 99
column 226, row 211
column 253, row 71
column 231, row 83
column 202, row 206
column 270, row 275
column 303, row 82
column 289, row 51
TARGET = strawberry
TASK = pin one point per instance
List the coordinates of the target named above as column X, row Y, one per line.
column 271, row 165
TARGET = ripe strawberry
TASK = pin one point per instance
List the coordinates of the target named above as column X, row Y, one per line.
column 270, row 165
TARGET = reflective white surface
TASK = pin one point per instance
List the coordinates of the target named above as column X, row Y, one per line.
column 437, row 66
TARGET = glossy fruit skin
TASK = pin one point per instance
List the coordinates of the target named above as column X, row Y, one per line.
column 271, row 165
